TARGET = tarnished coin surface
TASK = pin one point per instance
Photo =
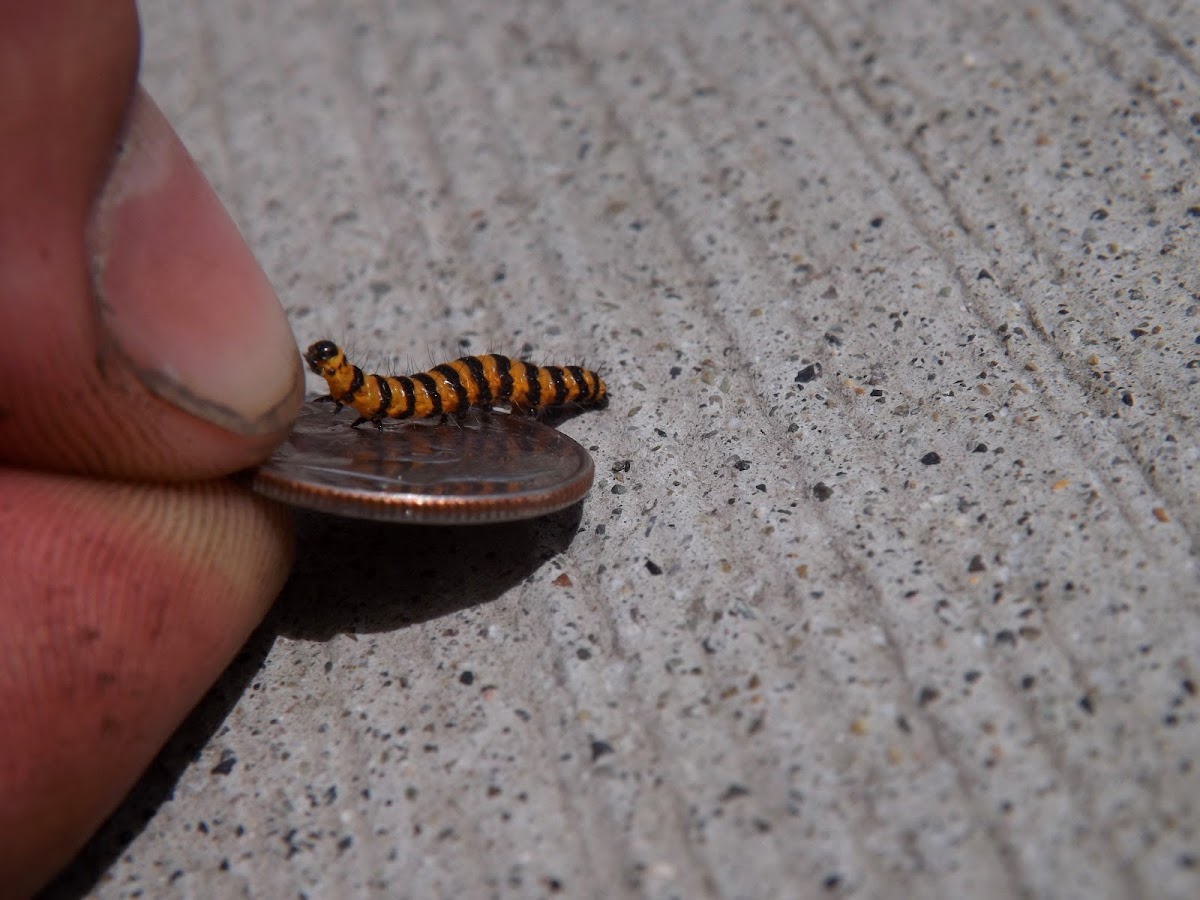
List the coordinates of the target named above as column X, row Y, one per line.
column 488, row 467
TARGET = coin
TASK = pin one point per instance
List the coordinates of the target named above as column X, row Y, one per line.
column 486, row 467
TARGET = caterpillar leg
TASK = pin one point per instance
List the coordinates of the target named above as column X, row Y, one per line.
column 328, row 398
column 377, row 421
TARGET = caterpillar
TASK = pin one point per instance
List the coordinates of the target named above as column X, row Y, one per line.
column 453, row 387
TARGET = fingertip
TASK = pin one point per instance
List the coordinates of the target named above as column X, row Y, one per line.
column 181, row 298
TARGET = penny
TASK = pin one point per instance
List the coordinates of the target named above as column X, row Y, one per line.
column 485, row 467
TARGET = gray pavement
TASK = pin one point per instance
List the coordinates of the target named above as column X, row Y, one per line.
column 919, row 621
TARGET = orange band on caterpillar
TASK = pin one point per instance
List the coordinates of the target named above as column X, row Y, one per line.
column 453, row 387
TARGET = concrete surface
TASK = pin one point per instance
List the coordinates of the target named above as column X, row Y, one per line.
column 923, row 625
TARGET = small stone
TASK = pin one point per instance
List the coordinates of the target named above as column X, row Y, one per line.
column 808, row 373
column 601, row 748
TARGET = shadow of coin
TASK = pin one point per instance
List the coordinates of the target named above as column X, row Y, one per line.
column 358, row 577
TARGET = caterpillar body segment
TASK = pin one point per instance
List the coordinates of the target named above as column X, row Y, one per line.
column 451, row 388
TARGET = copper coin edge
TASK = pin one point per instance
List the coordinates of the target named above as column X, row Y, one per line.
column 423, row 509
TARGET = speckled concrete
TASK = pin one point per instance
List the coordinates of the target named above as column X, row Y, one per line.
column 888, row 582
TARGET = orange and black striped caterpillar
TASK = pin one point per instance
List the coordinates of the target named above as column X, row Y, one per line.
column 453, row 387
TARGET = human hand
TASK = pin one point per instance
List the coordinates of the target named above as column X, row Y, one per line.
column 144, row 356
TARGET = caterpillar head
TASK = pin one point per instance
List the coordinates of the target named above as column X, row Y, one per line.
column 324, row 358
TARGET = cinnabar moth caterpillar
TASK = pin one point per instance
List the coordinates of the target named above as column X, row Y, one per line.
column 453, row 387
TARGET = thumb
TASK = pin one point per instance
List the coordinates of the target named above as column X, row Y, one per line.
column 141, row 339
